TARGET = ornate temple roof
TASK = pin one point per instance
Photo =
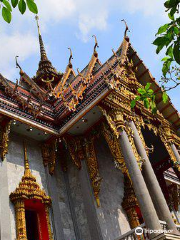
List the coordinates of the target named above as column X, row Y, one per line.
column 53, row 101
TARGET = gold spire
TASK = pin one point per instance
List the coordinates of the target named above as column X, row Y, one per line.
column 45, row 69
column 27, row 171
column 42, row 48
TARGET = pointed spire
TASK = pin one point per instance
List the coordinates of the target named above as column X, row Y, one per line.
column 27, row 171
column 46, row 69
column 42, row 48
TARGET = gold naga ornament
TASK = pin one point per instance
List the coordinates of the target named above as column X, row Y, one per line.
column 28, row 189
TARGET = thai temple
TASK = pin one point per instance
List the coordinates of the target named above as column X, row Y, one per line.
column 78, row 163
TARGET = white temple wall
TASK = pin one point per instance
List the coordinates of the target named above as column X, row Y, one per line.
column 112, row 217
column 76, row 194
column 15, row 168
column 66, row 219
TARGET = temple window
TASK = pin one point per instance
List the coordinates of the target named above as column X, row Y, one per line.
column 31, row 208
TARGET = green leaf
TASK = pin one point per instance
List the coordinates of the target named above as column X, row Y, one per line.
column 176, row 52
column 146, row 103
column 150, row 91
column 176, row 30
column 165, row 59
column 32, row 6
column 166, row 67
column 170, row 16
column 6, row 14
column 14, row 3
column 171, row 3
column 169, row 51
column 137, row 98
column 165, row 97
column 147, row 86
column 133, row 103
column 7, row 5
column 141, row 91
column 22, row 6
column 159, row 48
column 163, row 28
column 160, row 41
column 154, row 109
column 173, row 10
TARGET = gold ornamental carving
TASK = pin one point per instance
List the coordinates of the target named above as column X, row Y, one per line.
column 130, row 203
column 93, row 168
column 114, row 147
column 76, row 150
column 49, row 155
column 4, row 138
column 28, row 189
column 114, row 119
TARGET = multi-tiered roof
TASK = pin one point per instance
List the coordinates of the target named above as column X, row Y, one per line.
column 53, row 101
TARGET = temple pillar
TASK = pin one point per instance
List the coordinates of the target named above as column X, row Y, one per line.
column 145, row 202
column 175, row 151
column 89, row 203
column 152, row 183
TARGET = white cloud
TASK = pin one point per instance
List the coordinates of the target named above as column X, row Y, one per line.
column 12, row 45
column 19, row 38
column 93, row 14
column 88, row 22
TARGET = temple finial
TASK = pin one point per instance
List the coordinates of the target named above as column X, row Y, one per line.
column 96, row 43
column 37, row 20
column 127, row 29
column 70, row 57
column 26, row 162
column 42, row 48
column 17, row 64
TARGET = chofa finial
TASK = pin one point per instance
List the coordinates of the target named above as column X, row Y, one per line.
column 127, row 29
column 96, row 43
column 70, row 57
column 17, row 64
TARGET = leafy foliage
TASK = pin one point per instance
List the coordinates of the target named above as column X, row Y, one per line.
column 7, row 5
column 168, row 38
column 145, row 95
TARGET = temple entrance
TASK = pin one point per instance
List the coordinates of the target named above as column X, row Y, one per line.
column 31, row 225
column 162, row 166
column 36, row 220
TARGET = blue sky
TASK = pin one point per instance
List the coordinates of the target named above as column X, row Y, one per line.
column 71, row 23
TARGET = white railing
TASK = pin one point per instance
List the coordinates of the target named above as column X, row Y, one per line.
column 164, row 225
column 131, row 235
